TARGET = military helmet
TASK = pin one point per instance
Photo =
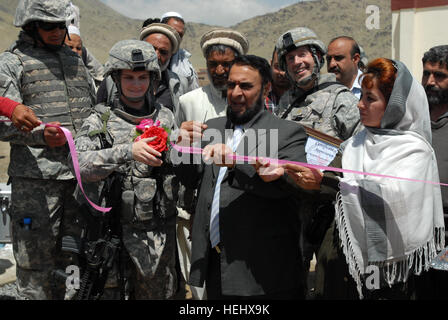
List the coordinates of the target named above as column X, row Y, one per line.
column 132, row 55
column 53, row 11
column 296, row 38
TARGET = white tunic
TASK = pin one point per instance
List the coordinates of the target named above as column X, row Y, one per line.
column 201, row 105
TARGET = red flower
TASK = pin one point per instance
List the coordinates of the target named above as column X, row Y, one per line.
column 160, row 143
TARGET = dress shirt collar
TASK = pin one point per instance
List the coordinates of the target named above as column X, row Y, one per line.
column 356, row 87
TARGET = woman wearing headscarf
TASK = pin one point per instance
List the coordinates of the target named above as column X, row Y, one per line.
column 385, row 231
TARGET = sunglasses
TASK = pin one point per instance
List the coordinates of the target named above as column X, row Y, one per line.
column 48, row 26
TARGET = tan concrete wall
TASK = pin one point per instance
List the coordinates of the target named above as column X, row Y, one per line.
column 414, row 31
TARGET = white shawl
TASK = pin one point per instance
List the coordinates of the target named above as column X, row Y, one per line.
column 390, row 228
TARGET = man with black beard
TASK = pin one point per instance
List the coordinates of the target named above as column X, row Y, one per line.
column 245, row 231
column 219, row 47
column 435, row 82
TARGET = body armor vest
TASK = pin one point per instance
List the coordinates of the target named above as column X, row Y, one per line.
column 149, row 195
column 317, row 109
column 55, row 85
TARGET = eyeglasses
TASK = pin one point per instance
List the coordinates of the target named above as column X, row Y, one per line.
column 49, row 26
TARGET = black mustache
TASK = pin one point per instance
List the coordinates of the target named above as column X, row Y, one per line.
column 432, row 89
column 282, row 78
column 335, row 69
column 226, row 76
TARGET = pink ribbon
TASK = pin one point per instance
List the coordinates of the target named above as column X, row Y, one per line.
column 193, row 150
column 71, row 145
column 147, row 123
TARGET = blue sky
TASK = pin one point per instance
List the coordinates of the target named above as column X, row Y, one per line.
column 214, row 12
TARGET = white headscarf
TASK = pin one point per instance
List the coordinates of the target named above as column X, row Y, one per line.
column 392, row 226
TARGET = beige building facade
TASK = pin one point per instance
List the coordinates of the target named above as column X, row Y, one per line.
column 417, row 25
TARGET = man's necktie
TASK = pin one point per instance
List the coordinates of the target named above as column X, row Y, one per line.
column 214, row 215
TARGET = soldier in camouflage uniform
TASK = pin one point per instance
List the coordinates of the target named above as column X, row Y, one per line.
column 41, row 73
column 317, row 101
column 149, row 189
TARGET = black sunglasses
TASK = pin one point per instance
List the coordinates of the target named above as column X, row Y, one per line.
column 48, row 26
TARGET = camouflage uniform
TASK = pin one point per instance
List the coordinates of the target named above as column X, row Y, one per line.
column 333, row 109
column 55, row 85
column 148, row 208
column 328, row 107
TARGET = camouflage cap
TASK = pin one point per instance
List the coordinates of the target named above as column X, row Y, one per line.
column 226, row 37
column 132, row 55
column 165, row 29
column 42, row 10
column 296, row 38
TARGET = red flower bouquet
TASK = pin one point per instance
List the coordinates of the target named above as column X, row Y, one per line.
column 148, row 129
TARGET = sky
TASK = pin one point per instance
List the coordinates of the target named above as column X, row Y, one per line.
column 224, row 13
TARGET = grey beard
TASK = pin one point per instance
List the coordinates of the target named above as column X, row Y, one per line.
column 165, row 66
column 219, row 88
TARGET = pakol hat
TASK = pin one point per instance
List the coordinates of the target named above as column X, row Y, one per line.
column 226, row 37
column 165, row 29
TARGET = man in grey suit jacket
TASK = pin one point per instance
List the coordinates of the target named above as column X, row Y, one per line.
column 245, row 232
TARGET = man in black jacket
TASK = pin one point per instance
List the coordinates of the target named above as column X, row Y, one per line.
column 245, row 232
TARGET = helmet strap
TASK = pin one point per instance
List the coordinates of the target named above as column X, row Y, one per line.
column 117, row 79
column 317, row 65
column 312, row 77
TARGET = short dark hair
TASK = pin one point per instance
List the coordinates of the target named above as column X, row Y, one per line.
column 355, row 47
column 437, row 54
column 258, row 63
column 149, row 21
column 221, row 48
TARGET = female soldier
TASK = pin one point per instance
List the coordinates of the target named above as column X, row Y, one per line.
column 106, row 147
